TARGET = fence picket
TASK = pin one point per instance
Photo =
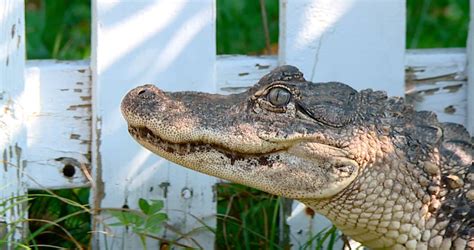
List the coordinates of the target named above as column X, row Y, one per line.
column 328, row 40
column 340, row 40
column 170, row 44
column 13, row 206
column 470, row 71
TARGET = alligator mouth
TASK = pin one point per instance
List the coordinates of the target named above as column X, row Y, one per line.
column 144, row 134
column 339, row 171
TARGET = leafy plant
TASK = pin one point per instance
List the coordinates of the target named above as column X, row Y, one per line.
column 148, row 221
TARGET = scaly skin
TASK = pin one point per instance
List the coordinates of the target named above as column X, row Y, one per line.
column 386, row 175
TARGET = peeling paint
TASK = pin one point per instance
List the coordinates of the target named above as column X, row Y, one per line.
column 413, row 78
column 99, row 193
column 435, row 78
column 75, row 136
column 214, row 192
column 430, row 91
column 75, row 107
column 18, row 154
column 453, row 88
column 5, row 160
column 86, row 98
column 450, row 109
column 164, row 186
column 262, row 66
column 13, row 30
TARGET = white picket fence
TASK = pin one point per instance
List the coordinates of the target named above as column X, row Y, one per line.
column 62, row 126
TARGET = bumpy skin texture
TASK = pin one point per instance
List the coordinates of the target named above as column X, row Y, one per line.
column 386, row 175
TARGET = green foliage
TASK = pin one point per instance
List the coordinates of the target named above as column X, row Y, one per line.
column 239, row 33
column 58, row 29
column 319, row 241
column 148, row 221
column 247, row 218
column 437, row 24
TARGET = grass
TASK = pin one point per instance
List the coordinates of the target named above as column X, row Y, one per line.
column 437, row 23
column 50, row 206
column 247, row 218
column 244, row 34
column 249, row 215
column 58, row 29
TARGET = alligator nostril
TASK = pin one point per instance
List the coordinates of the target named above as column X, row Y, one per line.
column 141, row 92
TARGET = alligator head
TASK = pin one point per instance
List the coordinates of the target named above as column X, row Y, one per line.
column 340, row 151
column 284, row 136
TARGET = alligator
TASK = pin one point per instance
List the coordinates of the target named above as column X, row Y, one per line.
column 386, row 175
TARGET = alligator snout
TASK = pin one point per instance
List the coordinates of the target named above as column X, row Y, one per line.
column 144, row 92
column 141, row 102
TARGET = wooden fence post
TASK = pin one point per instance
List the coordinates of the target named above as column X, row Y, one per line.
column 358, row 42
column 12, row 136
column 470, row 72
column 170, row 44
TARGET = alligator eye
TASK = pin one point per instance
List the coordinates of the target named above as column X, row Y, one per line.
column 279, row 97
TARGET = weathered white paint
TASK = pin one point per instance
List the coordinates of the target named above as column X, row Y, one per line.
column 12, row 135
column 436, row 80
column 58, row 123
column 343, row 40
column 470, row 59
column 236, row 73
column 171, row 44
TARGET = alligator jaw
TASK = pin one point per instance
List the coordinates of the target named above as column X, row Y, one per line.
column 327, row 176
